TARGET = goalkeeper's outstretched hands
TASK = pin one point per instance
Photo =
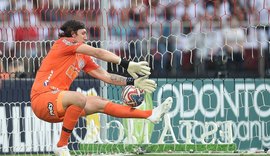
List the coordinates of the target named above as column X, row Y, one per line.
column 134, row 68
column 145, row 84
column 139, row 68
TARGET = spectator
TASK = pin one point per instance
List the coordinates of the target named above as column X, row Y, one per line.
column 260, row 19
column 3, row 73
column 118, row 26
column 234, row 38
column 189, row 14
column 218, row 11
column 25, row 35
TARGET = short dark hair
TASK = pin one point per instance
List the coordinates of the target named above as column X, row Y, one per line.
column 69, row 26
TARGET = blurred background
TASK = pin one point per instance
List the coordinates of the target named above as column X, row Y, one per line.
column 211, row 56
column 179, row 38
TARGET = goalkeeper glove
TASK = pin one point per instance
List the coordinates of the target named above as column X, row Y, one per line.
column 135, row 68
column 143, row 83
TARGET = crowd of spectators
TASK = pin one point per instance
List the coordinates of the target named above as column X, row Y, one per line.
column 180, row 38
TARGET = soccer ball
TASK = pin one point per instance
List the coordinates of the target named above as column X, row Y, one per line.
column 132, row 96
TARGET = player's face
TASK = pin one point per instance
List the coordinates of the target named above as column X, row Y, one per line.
column 81, row 35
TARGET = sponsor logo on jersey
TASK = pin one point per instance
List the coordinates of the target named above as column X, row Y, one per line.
column 81, row 63
column 50, row 108
column 46, row 82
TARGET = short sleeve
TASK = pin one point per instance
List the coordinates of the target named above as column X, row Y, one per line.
column 90, row 64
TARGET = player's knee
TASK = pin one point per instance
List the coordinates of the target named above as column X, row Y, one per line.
column 96, row 101
column 81, row 101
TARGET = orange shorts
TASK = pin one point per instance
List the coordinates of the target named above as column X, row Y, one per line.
column 48, row 106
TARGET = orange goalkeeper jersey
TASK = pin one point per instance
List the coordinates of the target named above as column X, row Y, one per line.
column 61, row 66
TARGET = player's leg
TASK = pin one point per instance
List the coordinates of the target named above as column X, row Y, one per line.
column 65, row 106
column 70, row 105
column 45, row 107
column 96, row 104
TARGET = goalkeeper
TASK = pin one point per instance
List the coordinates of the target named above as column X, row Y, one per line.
column 51, row 99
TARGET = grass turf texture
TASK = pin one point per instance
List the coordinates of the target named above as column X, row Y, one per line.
column 157, row 154
column 155, row 148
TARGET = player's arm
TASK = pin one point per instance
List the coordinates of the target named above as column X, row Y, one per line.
column 133, row 68
column 99, row 53
column 142, row 83
column 110, row 78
